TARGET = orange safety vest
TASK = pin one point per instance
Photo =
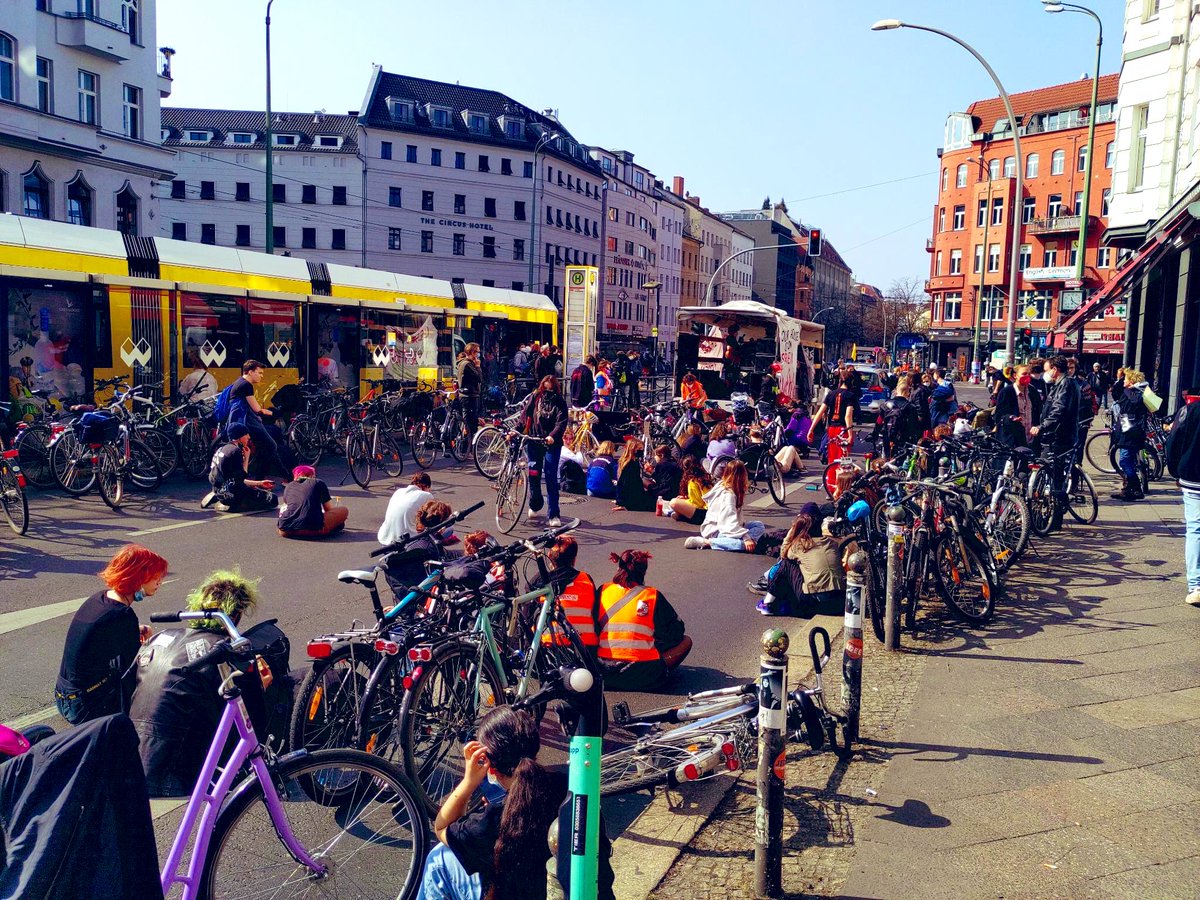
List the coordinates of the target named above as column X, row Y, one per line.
column 627, row 623
column 578, row 601
column 693, row 394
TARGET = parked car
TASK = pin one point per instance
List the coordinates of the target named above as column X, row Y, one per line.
column 874, row 391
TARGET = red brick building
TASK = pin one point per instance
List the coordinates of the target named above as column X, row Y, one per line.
column 972, row 244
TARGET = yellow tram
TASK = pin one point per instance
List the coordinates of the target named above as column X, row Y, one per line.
column 86, row 303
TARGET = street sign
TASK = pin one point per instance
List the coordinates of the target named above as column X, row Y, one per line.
column 1073, row 283
column 1031, row 311
column 654, row 331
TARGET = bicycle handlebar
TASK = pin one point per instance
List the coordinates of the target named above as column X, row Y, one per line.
column 403, row 543
column 569, row 682
column 236, row 642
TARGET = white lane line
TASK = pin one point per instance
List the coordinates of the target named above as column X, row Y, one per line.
column 23, row 618
column 34, row 718
column 219, row 518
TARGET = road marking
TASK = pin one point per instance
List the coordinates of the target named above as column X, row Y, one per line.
column 34, row 718
column 219, row 518
column 23, row 618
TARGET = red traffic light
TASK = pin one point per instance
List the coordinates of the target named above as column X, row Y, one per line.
column 815, row 240
column 1026, row 332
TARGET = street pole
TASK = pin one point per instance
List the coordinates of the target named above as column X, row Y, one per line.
column 270, row 242
column 852, row 650
column 535, row 212
column 731, row 258
column 1014, row 213
column 897, row 527
column 772, row 754
column 976, row 364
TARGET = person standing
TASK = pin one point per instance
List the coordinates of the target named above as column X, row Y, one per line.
column 633, row 370
column 470, row 386
column 543, row 363
column 544, row 417
column 104, row 637
column 1100, row 383
column 1018, row 410
column 1059, row 429
column 583, row 382
column 943, row 401
column 1183, row 461
column 1129, row 435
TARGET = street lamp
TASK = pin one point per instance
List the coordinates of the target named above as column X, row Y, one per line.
column 825, row 310
column 711, row 281
column 1013, row 271
column 534, row 213
column 656, row 286
column 270, row 243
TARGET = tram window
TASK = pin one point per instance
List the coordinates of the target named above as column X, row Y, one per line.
column 273, row 333
column 213, row 331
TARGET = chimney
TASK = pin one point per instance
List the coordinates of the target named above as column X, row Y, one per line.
column 677, row 185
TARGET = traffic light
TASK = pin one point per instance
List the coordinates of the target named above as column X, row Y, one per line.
column 814, row 242
column 1023, row 342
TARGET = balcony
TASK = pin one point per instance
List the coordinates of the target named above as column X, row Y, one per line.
column 1058, row 225
column 164, row 71
column 94, row 35
column 928, row 245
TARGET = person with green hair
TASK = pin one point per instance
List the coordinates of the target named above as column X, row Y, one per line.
column 176, row 713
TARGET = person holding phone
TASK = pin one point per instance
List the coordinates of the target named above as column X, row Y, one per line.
column 231, row 489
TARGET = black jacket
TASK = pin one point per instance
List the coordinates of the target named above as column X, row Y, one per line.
column 547, row 418
column 543, row 366
column 1060, row 415
column 1007, row 415
column 582, row 388
column 1183, row 447
column 1129, row 430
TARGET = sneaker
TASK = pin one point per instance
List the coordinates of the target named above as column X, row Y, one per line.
column 758, row 587
column 695, row 542
column 1193, row 597
column 531, row 515
column 209, row 499
column 221, row 507
column 553, row 522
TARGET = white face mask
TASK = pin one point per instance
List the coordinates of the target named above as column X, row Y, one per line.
column 1048, row 377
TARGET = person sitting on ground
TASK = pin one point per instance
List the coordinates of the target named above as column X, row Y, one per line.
column 632, row 493
column 811, row 571
column 665, row 476
column 601, row 477
column 231, row 489
column 722, row 528
column 690, row 506
column 498, row 850
column 175, row 712
column 692, row 442
column 491, row 572
column 719, row 444
column 692, row 392
column 307, row 510
column 577, row 594
column 406, row 569
column 642, row 638
column 401, row 515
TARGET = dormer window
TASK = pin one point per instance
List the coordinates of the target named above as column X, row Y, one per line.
column 329, row 140
column 199, row 137
column 439, row 116
column 165, row 134
column 514, row 129
column 285, row 140
column 477, row 123
column 400, row 110
column 241, row 137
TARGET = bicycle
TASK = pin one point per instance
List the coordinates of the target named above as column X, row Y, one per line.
column 122, row 455
column 369, row 446
column 512, row 484
column 445, row 429
column 1046, row 509
column 489, row 443
column 762, row 469
column 13, row 500
column 341, row 819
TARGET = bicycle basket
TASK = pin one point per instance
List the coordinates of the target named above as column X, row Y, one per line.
column 96, row 428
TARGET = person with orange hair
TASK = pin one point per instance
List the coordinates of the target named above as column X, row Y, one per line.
column 104, row 637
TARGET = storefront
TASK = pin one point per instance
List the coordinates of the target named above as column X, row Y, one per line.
column 951, row 347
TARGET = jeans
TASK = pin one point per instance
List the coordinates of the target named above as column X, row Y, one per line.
column 1127, row 462
column 543, row 461
column 269, row 445
column 446, row 879
column 1191, row 543
column 754, row 532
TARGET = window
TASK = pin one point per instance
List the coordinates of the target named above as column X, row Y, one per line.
column 208, row 234
column 410, row 153
column 981, row 212
column 426, row 241
column 460, row 160
column 489, row 207
column 518, row 251
column 960, row 217
column 243, row 137
column 284, row 140
column 941, row 219
column 279, row 192
column 427, row 201
column 1054, row 206
column 629, row 248
column 489, row 248
column 611, row 242
column 1104, row 258
column 1025, row 259
column 1073, row 254
column 460, row 245
column 1105, row 199
column 993, row 169
column 242, row 191
column 399, row 110
column 279, row 233
column 1108, row 154
column 339, row 239
column 937, row 263
column 8, row 68
column 1077, row 207
column 385, row 150
column 308, row 193
column 339, row 196
column 308, row 238
column 460, row 204
column 997, row 210
column 131, row 116
column 1028, row 210
column 955, row 262
column 89, row 86
column 1081, row 159
column 514, row 129
column 1149, row 9
column 526, row 169
column 993, row 257
column 477, row 124
column 393, row 238
column 505, row 166
column 483, row 163
column 1058, row 161
column 1010, row 167
column 36, row 200
column 1031, row 165
column 945, row 178
column 178, row 189
column 1137, row 149
column 1050, row 255
column 978, row 265
column 394, row 196
column 439, row 117
column 952, row 307
column 79, row 202
column 329, row 140
column 435, row 157
column 213, row 320
column 549, row 216
column 519, row 210
column 243, row 236
column 179, row 231
column 961, row 177
column 1039, row 300
column 208, row 190
column 45, row 81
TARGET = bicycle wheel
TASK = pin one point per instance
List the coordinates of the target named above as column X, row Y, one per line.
column 1081, row 497
column 829, row 478
column 654, row 759
column 1041, row 504
column 512, row 498
column 1010, row 528
column 110, row 479
column 389, row 456
column 143, row 470
column 439, row 715
column 914, row 581
column 73, row 464
column 306, row 440
column 963, row 579
column 719, row 464
column 162, row 446
column 193, row 449
column 587, row 446
column 488, row 450
column 460, row 439
column 874, row 600
column 422, row 439
column 358, row 458
column 1154, row 464
column 769, row 470
column 357, row 814
column 13, row 500
column 1097, row 450
column 33, row 453
column 327, row 700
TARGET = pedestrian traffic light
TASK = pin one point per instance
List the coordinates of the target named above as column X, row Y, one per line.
column 815, row 240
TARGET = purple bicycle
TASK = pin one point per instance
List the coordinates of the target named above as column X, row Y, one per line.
column 325, row 823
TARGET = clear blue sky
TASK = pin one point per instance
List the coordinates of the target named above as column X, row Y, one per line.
column 746, row 99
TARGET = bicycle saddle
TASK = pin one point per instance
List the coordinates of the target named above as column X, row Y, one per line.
column 1023, row 452
column 364, row 577
column 83, row 408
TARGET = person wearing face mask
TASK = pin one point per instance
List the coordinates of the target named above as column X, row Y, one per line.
column 1059, row 428
column 1018, row 410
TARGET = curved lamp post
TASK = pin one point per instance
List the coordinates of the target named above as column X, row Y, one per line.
column 1015, row 213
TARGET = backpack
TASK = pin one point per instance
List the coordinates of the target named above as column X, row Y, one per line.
column 577, row 386
column 1087, row 399
column 901, row 421
column 572, row 479
column 224, row 405
column 520, row 363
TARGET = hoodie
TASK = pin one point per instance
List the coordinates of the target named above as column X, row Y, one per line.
column 723, row 518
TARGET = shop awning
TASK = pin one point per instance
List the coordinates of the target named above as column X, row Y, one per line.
column 1115, row 287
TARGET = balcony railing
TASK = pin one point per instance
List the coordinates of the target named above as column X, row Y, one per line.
column 1057, row 224
column 92, row 17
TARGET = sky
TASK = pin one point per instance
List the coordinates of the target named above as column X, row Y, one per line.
column 746, row 100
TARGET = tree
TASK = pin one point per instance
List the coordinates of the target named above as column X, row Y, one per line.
column 904, row 307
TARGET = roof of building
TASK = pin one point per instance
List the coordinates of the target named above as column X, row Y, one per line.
column 424, row 93
column 1058, row 97
column 221, row 122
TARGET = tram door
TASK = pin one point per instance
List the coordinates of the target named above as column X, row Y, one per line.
column 333, row 346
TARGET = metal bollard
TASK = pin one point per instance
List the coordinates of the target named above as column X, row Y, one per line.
column 772, row 726
column 852, row 653
column 895, row 575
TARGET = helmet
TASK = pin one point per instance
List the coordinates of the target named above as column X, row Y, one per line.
column 858, row 509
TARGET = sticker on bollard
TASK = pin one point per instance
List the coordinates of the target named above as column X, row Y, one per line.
column 771, row 712
column 781, row 766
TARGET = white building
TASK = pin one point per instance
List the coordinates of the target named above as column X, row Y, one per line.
column 738, row 275
column 716, row 244
column 80, row 83
column 451, row 188
column 673, row 219
column 218, row 194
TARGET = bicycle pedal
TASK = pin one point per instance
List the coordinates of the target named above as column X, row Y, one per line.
column 620, row 713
